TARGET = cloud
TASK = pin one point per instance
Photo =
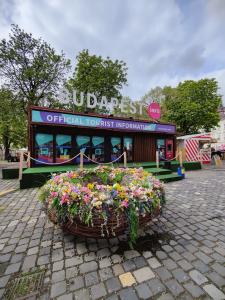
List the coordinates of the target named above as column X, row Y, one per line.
column 162, row 42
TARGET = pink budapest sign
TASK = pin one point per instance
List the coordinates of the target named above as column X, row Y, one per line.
column 154, row 110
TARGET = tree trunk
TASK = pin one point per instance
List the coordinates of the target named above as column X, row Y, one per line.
column 6, row 144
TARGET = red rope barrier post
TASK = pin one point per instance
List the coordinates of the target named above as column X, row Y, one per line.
column 81, row 160
column 157, row 158
column 21, row 165
column 125, row 159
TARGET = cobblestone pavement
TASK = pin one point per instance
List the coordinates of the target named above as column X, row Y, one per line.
column 185, row 261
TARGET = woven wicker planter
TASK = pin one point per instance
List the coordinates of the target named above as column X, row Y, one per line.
column 78, row 228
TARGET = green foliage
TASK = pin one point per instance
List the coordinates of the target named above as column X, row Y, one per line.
column 94, row 74
column 13, row 123
column 32, row 68
column 192, row 105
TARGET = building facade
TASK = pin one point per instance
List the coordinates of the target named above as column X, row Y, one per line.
column 56, row 136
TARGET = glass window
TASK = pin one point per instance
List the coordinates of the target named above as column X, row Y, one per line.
column 44, row 147
column 98, row 148
column 83, row 145
column 63, row 147
column 115, row 147
column 128, row 147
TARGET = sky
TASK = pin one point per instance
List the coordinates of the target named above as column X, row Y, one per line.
column 163, row 42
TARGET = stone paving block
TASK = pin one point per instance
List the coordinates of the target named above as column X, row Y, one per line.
column 127, row 279
column 17, row 258
column 82, row 294
column 66, row 297
column 58, row 289
column 113, row 284
column 98, row 291
column 219, row 269
column 89, row 256
column 43, row 260
column 143, row 291
column 154, row 263
column 76, row 283
column 216, row 278
column 163, row 273
column 4, row 280
column 166, row 296
column 32, row 251
column 198, row 277
column 128, row 294
column 169, row 264
column 156, row 286
column 129, row 265
column 29, row 262
column 91, row 278
column 13, row 268
column 175, row 288
column 214, row 292
column 105, row 273
column 58, row 276
column 143, row 274
column 103, row 253
column 200, row 266
column 194, row 290
column 185, row 265
column 104, row 263
column 74, row 261
column 117, row 269
column 180, row 275
column 147, row 254
column 131, row 254
column 81, row 248
column 71, row 272
column 57, row 266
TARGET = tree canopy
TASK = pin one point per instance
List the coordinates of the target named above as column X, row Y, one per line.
column 192, row 105
column 31, row 68
column 13, row 121
column 102, row 77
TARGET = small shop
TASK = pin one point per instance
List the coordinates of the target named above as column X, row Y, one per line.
column 56, row 136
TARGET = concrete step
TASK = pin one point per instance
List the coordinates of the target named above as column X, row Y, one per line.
column 169, row 177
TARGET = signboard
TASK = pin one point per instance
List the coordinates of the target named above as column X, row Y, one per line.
column 154, row 111
column 58, row 118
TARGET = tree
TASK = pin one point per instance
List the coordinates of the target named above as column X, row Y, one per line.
column 94, row 74
column 156, row 94
column 31, row 67
column 13, row 127
column 192, row 105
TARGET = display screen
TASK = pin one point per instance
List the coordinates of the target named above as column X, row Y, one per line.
column 98, row 151
column 63, row 147
column 44, row 147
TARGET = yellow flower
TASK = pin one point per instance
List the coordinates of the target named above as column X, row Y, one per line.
column 90, row 186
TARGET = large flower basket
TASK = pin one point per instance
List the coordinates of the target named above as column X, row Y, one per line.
column 103, row 202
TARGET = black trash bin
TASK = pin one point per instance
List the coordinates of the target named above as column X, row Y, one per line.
column 167, row 165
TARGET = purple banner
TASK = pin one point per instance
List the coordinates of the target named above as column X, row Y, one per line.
column 56, row 118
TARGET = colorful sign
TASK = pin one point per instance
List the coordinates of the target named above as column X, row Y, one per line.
column 154, row 111
column 57, row 118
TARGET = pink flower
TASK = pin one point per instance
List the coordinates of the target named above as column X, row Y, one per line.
column 54, row 194
column 86, row 199
column 64, row 199
column 125, row 203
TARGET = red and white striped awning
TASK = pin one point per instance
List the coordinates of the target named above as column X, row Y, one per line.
column 200, row 136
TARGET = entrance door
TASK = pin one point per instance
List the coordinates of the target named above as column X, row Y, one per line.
column 169, row 148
